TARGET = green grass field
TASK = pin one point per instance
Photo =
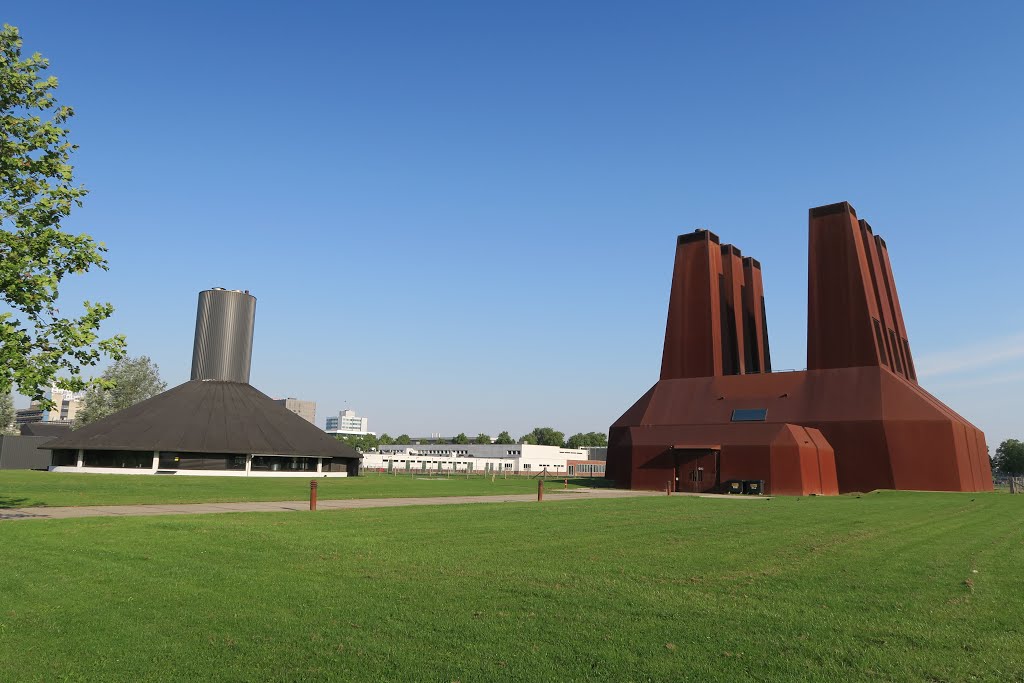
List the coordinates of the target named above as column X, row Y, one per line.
column 26, row 488
column 881, row 587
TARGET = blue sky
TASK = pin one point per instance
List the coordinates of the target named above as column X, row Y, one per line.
column 460, row 216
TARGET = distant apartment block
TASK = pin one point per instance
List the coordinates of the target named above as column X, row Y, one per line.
column 348, row 423
column 66, row 405
column 24, row 416
column 304, row 409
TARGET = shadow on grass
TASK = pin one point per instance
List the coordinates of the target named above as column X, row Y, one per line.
column 10, row 503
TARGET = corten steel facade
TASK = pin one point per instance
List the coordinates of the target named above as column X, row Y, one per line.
column 855, row 420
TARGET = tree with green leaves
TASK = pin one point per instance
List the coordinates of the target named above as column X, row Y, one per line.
column 590, row 439
column 461, row 438
column 544, row 436
column 403, row 440
column 127, row 382
column 385, row 440
column 1009, row 458
column 482, row 438
column 360, row 442
column 40, row 348
column 504, row 438
column 6, row 413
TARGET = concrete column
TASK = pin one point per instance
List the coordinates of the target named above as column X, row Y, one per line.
column 319, row 465
column 248, row 464
column 81, row 456
column 156, row 460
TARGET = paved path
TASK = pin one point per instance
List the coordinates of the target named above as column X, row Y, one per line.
column 299, row 505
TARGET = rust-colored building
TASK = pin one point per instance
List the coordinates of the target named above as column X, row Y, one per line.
column 855, row 420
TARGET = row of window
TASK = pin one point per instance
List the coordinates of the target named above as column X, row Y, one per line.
column 190, row 461
column 391, row 462
column 894, row 352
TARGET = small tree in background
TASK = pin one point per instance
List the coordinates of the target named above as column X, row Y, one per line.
column 1009, row 458
column 504, row 438
column 461, row 438
column 385, row 440
column 6, row 413
column 403, row 440
column 544, row 436
column 125, row 383
column 482, row 438
column 590, row 439
column 360, row 442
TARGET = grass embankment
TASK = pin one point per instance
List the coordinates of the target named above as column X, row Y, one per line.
column 889, row 586
column 26, row 488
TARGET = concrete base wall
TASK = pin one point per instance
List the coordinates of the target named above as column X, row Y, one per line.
column 198, row 473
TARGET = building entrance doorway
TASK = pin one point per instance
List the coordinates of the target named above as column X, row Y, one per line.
column 696, row 469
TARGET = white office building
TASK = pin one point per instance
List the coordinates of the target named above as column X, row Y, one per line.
column 482, row 458
column 348, row 424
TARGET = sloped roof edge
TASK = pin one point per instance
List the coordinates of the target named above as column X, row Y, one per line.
column 207, row 416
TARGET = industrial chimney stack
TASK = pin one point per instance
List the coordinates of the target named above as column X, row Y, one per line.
column 223, row 343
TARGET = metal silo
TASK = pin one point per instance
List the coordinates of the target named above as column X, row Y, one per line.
column 223, row 344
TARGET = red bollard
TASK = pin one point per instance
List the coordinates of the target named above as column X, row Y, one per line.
column 312, row 495
column 565, row 483
column 540, row 490
column 668, row 488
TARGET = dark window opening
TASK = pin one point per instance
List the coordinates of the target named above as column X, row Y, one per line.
column 749, row 415
column 142, row 460
column 201, row 461
column 896, row 356
column 750, row 354
column 66, row 457
column 265, row 463
column 880, row 341
column 727, row 323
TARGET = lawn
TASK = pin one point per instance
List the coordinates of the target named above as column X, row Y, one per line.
column 882, row 587
column 27, row 488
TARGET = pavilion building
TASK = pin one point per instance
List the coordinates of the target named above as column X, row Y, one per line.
column 214, row 424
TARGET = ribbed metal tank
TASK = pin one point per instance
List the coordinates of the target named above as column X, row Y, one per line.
column 223, row 344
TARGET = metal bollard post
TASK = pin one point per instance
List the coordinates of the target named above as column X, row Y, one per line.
column 668, row 488
column 540, row 490
column 565, row 483
column 312, row 495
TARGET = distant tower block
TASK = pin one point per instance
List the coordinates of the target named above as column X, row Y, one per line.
column 716, row 321
column 224, row 329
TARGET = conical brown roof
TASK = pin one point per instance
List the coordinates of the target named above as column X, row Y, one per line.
column 207, row 416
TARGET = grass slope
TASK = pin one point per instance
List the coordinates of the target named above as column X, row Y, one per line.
column 27, row 488
column 888, row 586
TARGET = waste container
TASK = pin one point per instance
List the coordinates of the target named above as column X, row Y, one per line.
column 734, row 486
column 753, row 487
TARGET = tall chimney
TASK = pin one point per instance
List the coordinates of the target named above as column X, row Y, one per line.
column 854, row 317
column 223, row 343
column 716, row 323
